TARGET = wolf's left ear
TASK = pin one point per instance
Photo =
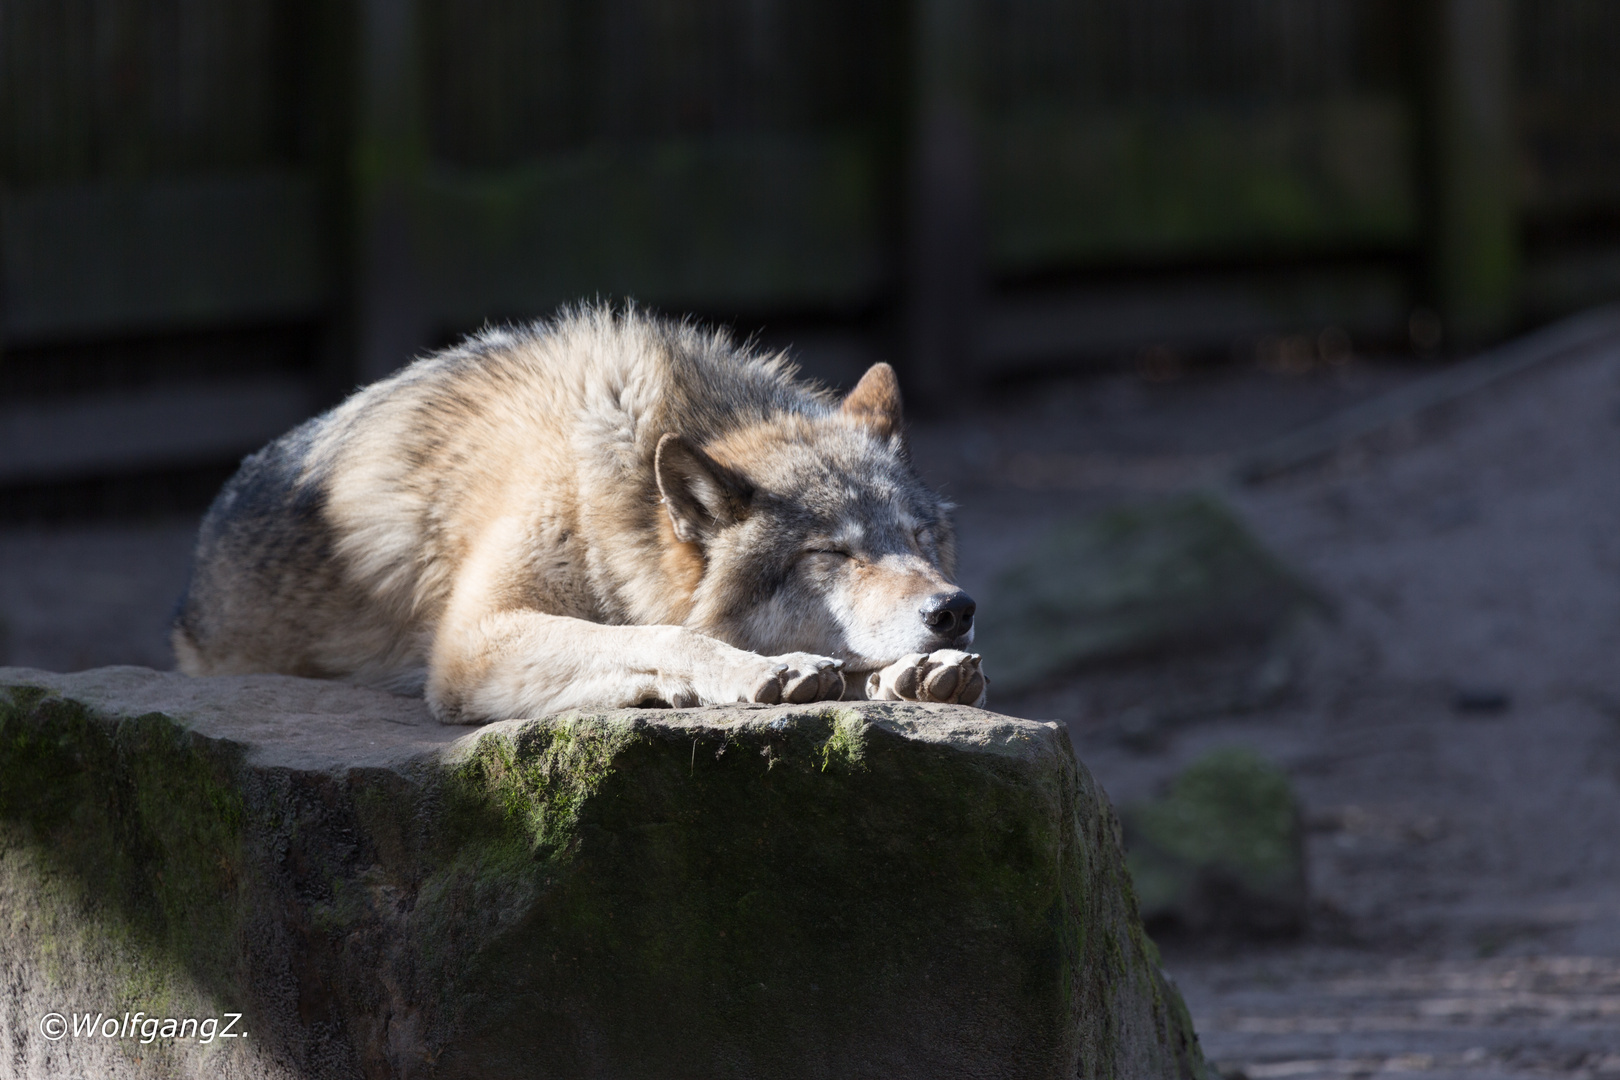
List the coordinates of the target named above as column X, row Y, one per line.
column 875, row 401
column 701, row 495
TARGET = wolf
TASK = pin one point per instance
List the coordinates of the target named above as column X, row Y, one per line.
column 604, row 509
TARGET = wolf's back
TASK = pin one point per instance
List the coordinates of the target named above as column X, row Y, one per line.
column 331, row 552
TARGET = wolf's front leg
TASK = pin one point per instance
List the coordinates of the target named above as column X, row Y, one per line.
column 526, row 663
column 948, row 676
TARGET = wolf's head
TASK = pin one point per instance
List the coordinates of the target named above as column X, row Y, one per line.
column 817, row 536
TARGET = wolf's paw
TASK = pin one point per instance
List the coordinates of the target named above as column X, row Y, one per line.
column 947, row 676
column 797, row 678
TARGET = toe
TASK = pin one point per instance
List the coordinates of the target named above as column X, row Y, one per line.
column 908, row 682
column 832, row 681
column 941, row 684
column 769, row 690
column 802, row 689
column 972, row 691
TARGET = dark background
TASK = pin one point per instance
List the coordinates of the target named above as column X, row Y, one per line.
column 216, row 216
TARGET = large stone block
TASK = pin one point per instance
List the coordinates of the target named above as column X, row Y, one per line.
column 835, row 890
column 1175, row 575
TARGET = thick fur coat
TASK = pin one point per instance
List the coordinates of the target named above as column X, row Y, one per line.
column 606, row 509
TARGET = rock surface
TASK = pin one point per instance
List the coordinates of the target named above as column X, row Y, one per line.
column 874, row 890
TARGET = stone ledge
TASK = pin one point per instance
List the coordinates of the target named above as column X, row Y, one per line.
column 837, row 890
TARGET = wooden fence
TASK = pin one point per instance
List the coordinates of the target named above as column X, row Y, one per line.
column 390, row 171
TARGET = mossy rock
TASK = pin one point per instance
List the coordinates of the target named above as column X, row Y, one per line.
column 876, row 890
column 1140, row 580
column 1223, row 850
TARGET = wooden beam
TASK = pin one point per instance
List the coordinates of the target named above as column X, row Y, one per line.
column 104, row 258
column 742, row 224
column 152, row 429
column 1139, row 185
column 1193, row 311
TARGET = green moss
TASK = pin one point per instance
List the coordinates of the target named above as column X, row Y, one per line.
column 538, row 777
column 846, row 745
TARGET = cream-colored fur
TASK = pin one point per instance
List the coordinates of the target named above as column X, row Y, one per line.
column 603, row 510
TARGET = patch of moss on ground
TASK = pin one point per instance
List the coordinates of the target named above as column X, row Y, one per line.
column 1226, row 836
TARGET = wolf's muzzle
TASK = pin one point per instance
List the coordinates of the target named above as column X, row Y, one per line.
column 949, row 615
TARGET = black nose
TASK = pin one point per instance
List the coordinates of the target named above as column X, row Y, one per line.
column 950, row 615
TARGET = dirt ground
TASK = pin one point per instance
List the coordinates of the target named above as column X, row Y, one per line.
column 1463, row 861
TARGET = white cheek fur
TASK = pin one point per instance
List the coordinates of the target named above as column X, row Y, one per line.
column 875, row 643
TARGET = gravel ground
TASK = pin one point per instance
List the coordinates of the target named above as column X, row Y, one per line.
column 1463, row 862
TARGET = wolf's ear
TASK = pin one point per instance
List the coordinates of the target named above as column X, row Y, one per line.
column 875, row 401
column 701, row 495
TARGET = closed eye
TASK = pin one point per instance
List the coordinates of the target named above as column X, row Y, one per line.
column 839, row 552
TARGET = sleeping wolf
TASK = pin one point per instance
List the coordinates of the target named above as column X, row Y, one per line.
column 604, row 510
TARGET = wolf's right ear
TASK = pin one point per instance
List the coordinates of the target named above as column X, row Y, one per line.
column 701, row 495
column 875, row 401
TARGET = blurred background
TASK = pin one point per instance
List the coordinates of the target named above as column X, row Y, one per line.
column 1305, row 298
column 218, row 216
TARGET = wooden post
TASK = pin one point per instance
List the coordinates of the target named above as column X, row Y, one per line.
column 1475, row 256
column 943, row 261
column 391, row 320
